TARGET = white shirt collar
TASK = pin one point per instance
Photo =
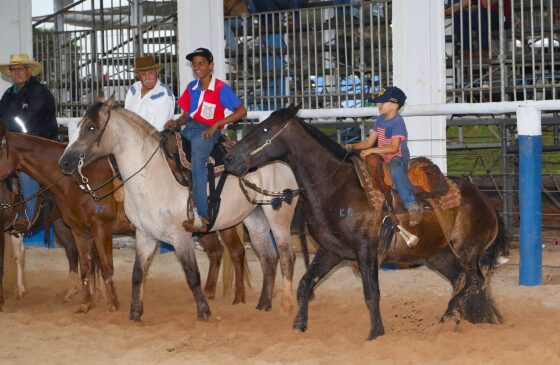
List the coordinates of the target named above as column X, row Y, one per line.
column 210, row 85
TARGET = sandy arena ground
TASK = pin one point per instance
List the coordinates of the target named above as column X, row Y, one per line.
column 41, row 329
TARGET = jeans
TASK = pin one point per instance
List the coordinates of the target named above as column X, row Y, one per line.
column 399, row 167
column 200, row 151
column 28, row 188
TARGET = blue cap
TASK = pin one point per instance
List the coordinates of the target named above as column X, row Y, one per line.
column 392, row 94
column 201, row 52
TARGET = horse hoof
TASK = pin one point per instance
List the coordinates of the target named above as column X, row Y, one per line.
column 238, row 301
column 264, row 307
column 20, row 295
column 112, row 308
column 373, row 336
column 287, row 306
column 300, row 325
column 135, row 316
column 69, row 295
column 84, row 308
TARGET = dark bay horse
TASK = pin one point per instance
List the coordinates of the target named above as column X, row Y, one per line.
column 330, row 188
column 94, row 223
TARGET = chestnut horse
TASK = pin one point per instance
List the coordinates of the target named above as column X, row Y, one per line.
column 330, row 185
column 8, row 213
column 94, row 223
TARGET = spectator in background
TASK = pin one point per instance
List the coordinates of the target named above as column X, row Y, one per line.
column 27, row 107
column 233, row 24
column 148, row 97
column 461, row 8
column 258, row 6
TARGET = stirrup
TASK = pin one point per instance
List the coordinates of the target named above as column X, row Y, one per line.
column 410, row 239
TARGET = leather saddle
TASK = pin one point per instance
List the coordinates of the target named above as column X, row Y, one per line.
column 428, row 182
column 177, row 150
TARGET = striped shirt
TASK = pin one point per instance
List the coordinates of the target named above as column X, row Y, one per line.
column 386, row 130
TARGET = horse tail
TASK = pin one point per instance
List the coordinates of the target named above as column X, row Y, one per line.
column 500, row 246
column 299, row 224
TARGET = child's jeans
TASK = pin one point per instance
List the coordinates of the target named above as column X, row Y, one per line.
column 399, row 167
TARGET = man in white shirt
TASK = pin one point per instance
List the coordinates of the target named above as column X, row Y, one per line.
column 150, row 98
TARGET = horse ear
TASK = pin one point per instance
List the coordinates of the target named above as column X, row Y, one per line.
column 101, row 97
column 293, row 109
column 111, row 101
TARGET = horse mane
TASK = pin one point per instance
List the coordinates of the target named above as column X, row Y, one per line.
column 333, row 147
column 138, row 122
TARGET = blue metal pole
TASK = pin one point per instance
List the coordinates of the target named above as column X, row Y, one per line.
column 530, row 211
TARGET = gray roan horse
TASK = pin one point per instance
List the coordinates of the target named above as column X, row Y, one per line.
column 329, row 183
column 156, row 204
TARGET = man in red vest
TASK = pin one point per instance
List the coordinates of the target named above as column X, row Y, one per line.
column 208, row 104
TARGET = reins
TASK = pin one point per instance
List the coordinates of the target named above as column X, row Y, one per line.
column 85, row 181
column 285, row 195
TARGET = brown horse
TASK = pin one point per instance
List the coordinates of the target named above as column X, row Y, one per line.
column 331, row 189
column 8, row 213
column 94, row 223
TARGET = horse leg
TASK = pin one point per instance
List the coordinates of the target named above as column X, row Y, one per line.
column 237, row 255
column 2, row 245
column 145, row 249
column 103, row 238
column 185, row 255
column 258, row 229
column 84, row 245
column 474, row 301
column 18, row 252
column 447, row 264
column 322, row 263
column 64, row 236
column 280, row 222
column 215, row 251
column 367, row 261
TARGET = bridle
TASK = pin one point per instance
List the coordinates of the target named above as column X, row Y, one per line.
column 84, row 186
column 278, row 197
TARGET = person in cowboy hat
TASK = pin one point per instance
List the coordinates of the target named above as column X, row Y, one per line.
column 27, row 107
column 208, row 104
column 148, row 97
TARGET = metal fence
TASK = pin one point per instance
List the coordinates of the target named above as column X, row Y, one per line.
column 507, row 51
column 319, row 57
column 89, row 47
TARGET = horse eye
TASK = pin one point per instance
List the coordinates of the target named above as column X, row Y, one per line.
column 91, row 128
column 265, row 129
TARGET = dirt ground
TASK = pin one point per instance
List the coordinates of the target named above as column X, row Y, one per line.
column 42, row 329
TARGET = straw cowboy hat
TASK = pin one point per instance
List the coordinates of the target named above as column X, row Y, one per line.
column 23, row 60
column 145, row 63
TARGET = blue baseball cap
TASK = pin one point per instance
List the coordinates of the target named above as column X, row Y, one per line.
column 204, row 52
column 392, row 94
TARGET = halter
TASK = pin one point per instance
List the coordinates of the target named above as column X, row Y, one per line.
column 268, row 142
column 278, row 197
column 85, row 181
column 98, row 139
